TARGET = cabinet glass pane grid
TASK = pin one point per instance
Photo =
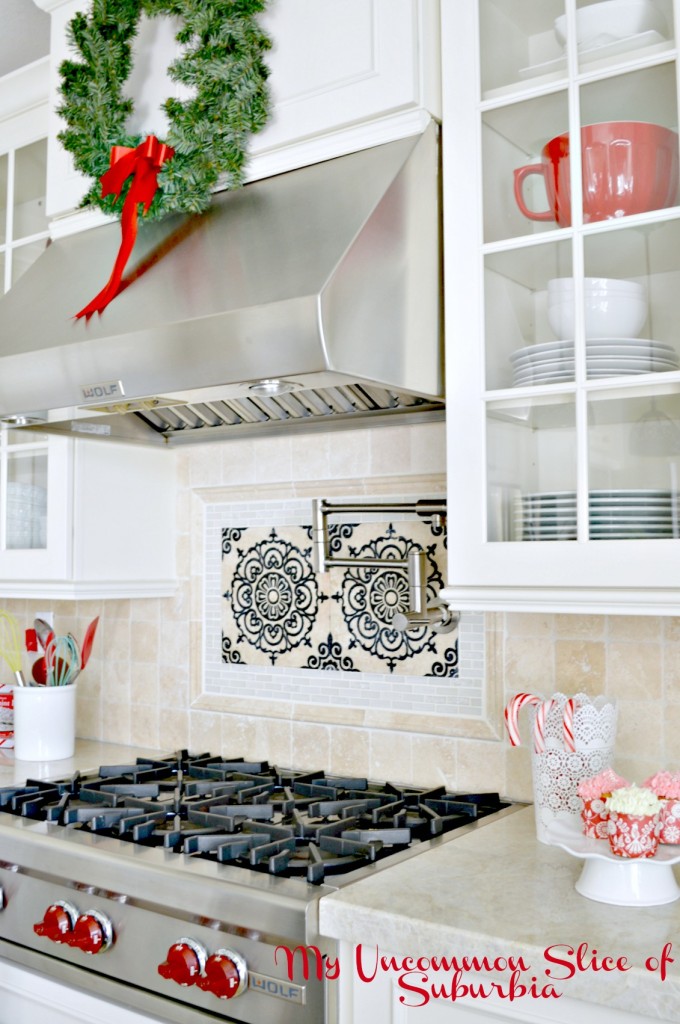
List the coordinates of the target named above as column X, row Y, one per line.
column 23, row 492
column 504, row 75
column 580, row 386
column 10, row 253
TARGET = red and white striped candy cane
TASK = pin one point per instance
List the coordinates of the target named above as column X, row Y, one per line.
column 539, row 724
column 568, row 724
column 512, row 712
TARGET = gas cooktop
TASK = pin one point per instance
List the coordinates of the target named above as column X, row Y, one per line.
column 186, row 883
column 305, row 824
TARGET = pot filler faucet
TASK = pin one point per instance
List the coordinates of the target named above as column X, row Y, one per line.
column 437, row 614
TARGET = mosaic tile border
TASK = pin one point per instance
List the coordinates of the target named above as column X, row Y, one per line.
column 373, row 692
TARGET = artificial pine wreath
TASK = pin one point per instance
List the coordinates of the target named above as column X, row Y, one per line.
column 222, row 61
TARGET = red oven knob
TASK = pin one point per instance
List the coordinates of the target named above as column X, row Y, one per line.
column 226, row 974
column 184, row 963
column 58, row 921
column 92, row 932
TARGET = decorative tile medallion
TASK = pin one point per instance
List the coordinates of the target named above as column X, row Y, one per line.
column 276, row 611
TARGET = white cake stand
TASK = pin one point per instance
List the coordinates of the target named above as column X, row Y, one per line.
column 624, row 881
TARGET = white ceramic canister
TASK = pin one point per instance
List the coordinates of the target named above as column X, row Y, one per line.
column 44, row 722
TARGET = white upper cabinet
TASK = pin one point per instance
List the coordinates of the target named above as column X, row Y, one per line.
column 562, row 279
column 81, row 519
column 345, row 74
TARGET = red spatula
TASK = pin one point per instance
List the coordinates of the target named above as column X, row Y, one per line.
column 88, row 641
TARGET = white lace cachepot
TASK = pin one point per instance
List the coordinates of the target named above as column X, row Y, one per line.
column 557, row 770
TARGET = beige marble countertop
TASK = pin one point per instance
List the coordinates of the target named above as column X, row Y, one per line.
column 88, row 754
column 498, row 891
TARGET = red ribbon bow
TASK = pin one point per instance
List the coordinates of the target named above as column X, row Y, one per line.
column 143, row 163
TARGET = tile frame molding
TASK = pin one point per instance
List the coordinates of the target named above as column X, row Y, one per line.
column 488, row 726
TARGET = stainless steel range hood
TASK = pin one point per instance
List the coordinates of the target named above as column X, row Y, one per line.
column 304, row 300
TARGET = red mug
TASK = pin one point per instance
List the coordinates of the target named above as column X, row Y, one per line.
column 627, row 166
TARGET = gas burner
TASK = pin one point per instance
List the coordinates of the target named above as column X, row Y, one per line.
column 250, row 814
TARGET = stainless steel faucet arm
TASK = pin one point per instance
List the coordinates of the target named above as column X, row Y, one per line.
column 436, row 615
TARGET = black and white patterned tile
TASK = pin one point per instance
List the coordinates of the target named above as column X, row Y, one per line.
column 326, row 653
column 277, row 611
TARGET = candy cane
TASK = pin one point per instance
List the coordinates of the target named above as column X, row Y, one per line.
column 512, row 711
column 539, row 724
column 568, row 724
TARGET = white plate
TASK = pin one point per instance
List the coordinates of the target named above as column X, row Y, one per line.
column 601, row 499
column 636, row 346
column 550, row 527
column 627, row 509
column 546, row 350
column 565, row 347
column 544, row 495
column 548, row 502
column 635, row 513
column 565, row 504
column 548, row 511
column 613, row 362
column 632, row 492
column 601, row 374
column 595, row 359
column 543, row 378
column 649, row 529
column 603, row 532
column 550, row 536
column 596, row 53
column 633, row 536
column 566, row 529
column 622, row 881
column 551, row 366
column 558, row 526
column 610, row 365
column 548, row 359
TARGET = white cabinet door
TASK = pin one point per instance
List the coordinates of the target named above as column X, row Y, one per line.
column 563, row 431
column 105, row 526
column 36, row 504
column 27, row 997
column 345, row 74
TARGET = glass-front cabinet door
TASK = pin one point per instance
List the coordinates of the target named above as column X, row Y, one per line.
column 23, row 491
column 562, row 280
column 33, row 473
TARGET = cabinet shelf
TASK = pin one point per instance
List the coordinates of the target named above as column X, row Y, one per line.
column 592, row 70
column 632, row 386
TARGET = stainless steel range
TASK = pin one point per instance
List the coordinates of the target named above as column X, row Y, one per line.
column 181, row 887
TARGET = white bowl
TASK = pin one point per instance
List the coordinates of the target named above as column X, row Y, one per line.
column 607, row 314
column 610, row 21
column 563, row 286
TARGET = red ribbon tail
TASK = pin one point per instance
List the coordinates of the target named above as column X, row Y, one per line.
column 128, row 225
column 143, row 163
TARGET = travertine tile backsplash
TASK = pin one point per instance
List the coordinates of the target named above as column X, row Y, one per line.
column 142, row 687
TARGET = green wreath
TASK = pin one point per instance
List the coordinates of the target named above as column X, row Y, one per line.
column 222, row 61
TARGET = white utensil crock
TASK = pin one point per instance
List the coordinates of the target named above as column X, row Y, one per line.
column 44, row 722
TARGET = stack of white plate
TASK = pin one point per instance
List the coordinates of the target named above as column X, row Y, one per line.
column 628, row 514
column 547, row 515
column 632, row 514
column 26, row 515
column 553, row 361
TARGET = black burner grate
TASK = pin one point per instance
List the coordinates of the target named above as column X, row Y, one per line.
column 249, row 813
